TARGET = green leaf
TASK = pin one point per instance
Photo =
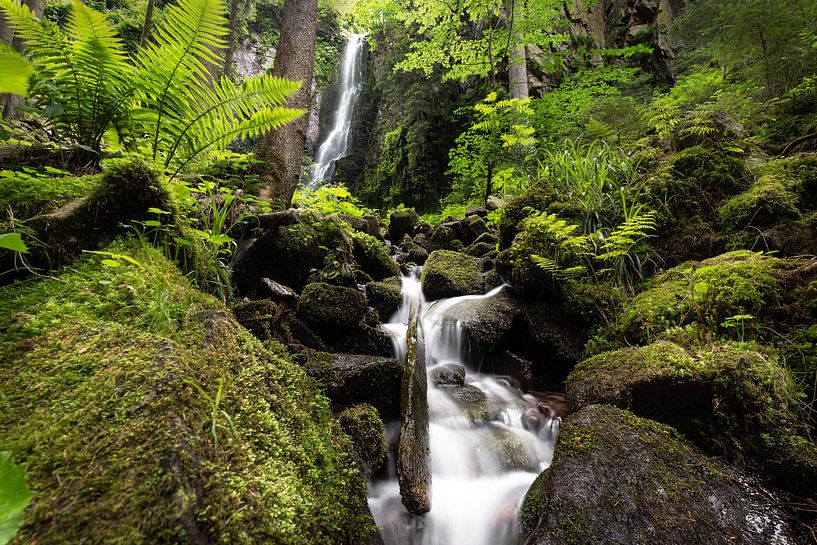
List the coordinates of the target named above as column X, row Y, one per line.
column 158, row 211
column 13, row 242
column 111, row 263
column 14, row 497
column 701, row 288
column 14, row 73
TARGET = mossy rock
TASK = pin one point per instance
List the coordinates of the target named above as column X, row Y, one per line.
column 473, row 401
column 103, row 371
column 30, row 196
column 448, row 374
column 259, row 317
column 373, row 257
column 730, row 400
column 619, row 479
column 536, row 198
column 351, row 379
column 401, row 223
column 331, row 309
column 705, row 295
column 450, row 274
column 768, row 202
column 442, row 238
column 363, row 425
column 385, row 297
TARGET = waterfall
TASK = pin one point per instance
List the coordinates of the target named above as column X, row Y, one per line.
column 336, row 144
column 484, row 459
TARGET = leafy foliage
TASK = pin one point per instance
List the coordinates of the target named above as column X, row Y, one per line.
column 14, row 497
column 330, row 199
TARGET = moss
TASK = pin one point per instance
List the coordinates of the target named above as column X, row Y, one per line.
column 401, row 223
column 97, row 397
column 373, row 256
column 705, row 293
column 768, row 202
column 363, row 425
column 327, row 307
column 450, row 274
column 535, row 198
column 385, row 297
column 28, row 196
column 733, row 399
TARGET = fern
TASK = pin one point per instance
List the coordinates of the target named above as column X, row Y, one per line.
column 167, row 104
column 619, row 249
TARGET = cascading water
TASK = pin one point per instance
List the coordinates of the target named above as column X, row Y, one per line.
column 488, row 440
column 336, row 144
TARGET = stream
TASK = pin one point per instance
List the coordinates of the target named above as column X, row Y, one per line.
column 488, row 439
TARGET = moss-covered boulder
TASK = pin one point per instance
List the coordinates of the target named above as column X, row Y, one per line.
column 351, row 379
column 619, row 479
column 443, row 238
column 768, row 202
column 401, row 223
column 536, row 198
column 108, row 382
column 385, row 297
column 729, row 400
column 260, row 317
column 448, row 374
column 451, row 274
column 373, row 257
column 331, row 309
column 363, row 425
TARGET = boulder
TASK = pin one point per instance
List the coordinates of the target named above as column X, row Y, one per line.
column 373, row 227
column 385, row 297
column 331, row 310
column 728, row 400
column 364, row 339
column 481, row 249
column 422, row 241
column 493, row 203
column 373, row 257
column 401, row 223
column 476, row 211
column 450, row 274
column 619, row 479
column 487, row 321
column 448, row 374
column 364, row 427
column 472, row 228
column 278, row 292
column 442, row 238
column 260, row 317
column 351, row 379
column 417, row 254
column 473, row 401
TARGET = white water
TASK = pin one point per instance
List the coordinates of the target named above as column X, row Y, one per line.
column 476, row 492
column 336, row 144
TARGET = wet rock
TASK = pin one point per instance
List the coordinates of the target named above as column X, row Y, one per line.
column 331, row 309
column 473, row 400
column 618, row 479
column 422, row 241
column 364, row 426
column 512, row 365
column 350, row 379
column 417, row 254
column 401, row 223
column 508, row 450
column 476, row 211
column 294, row 332
column 730, row 401
column 480, row 249
column 259, row 317
column 278, row 292
column 449, row 374
column 450, row 274
column 385, row 297
column 487, row 321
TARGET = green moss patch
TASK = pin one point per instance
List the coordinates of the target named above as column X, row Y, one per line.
column 107, row 389
column 450, row 274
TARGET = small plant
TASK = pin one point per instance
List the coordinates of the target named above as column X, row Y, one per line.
column 330, row 199
column 216, row 412
column 738, row 323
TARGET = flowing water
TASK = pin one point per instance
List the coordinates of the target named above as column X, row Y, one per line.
column 336, row 144
column 484, row 453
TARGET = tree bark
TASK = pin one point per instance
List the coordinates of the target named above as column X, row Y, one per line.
column 230, row 53
column 8, row 102
column 148, row 23
column 517, row 58
column 282, row 151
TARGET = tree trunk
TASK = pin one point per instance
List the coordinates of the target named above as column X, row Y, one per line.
column 282, row 151
column 489, row 182
column 8, row 102
column 148, row 23
column 230, row 53
column 517, row 58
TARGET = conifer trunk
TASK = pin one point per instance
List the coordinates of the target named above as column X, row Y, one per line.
column 282, row 151
column 10, row 103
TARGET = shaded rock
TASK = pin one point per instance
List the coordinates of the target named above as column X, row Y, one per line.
column 364, row 427
column 385, row 297
column 473, row 400
column 512, row 365
column 730, row 401
column 356, row 223
column 442, row 238
column 279, row 292
column 471, row 228
column 331, row 309
column 373, row 227
column 425, row 228
column 351, row 379
column 487, row 321
column 364, row 339
column 296, row 333
column 417, row 254
column 260, row 317
column 422, row 241
column 493, row 203
column 401, row 223
column 619, row 479
column 487, row 237
column 450, row 274
column 373, row 257
column 476, row 211
column 448, row 374
column 481, row 249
